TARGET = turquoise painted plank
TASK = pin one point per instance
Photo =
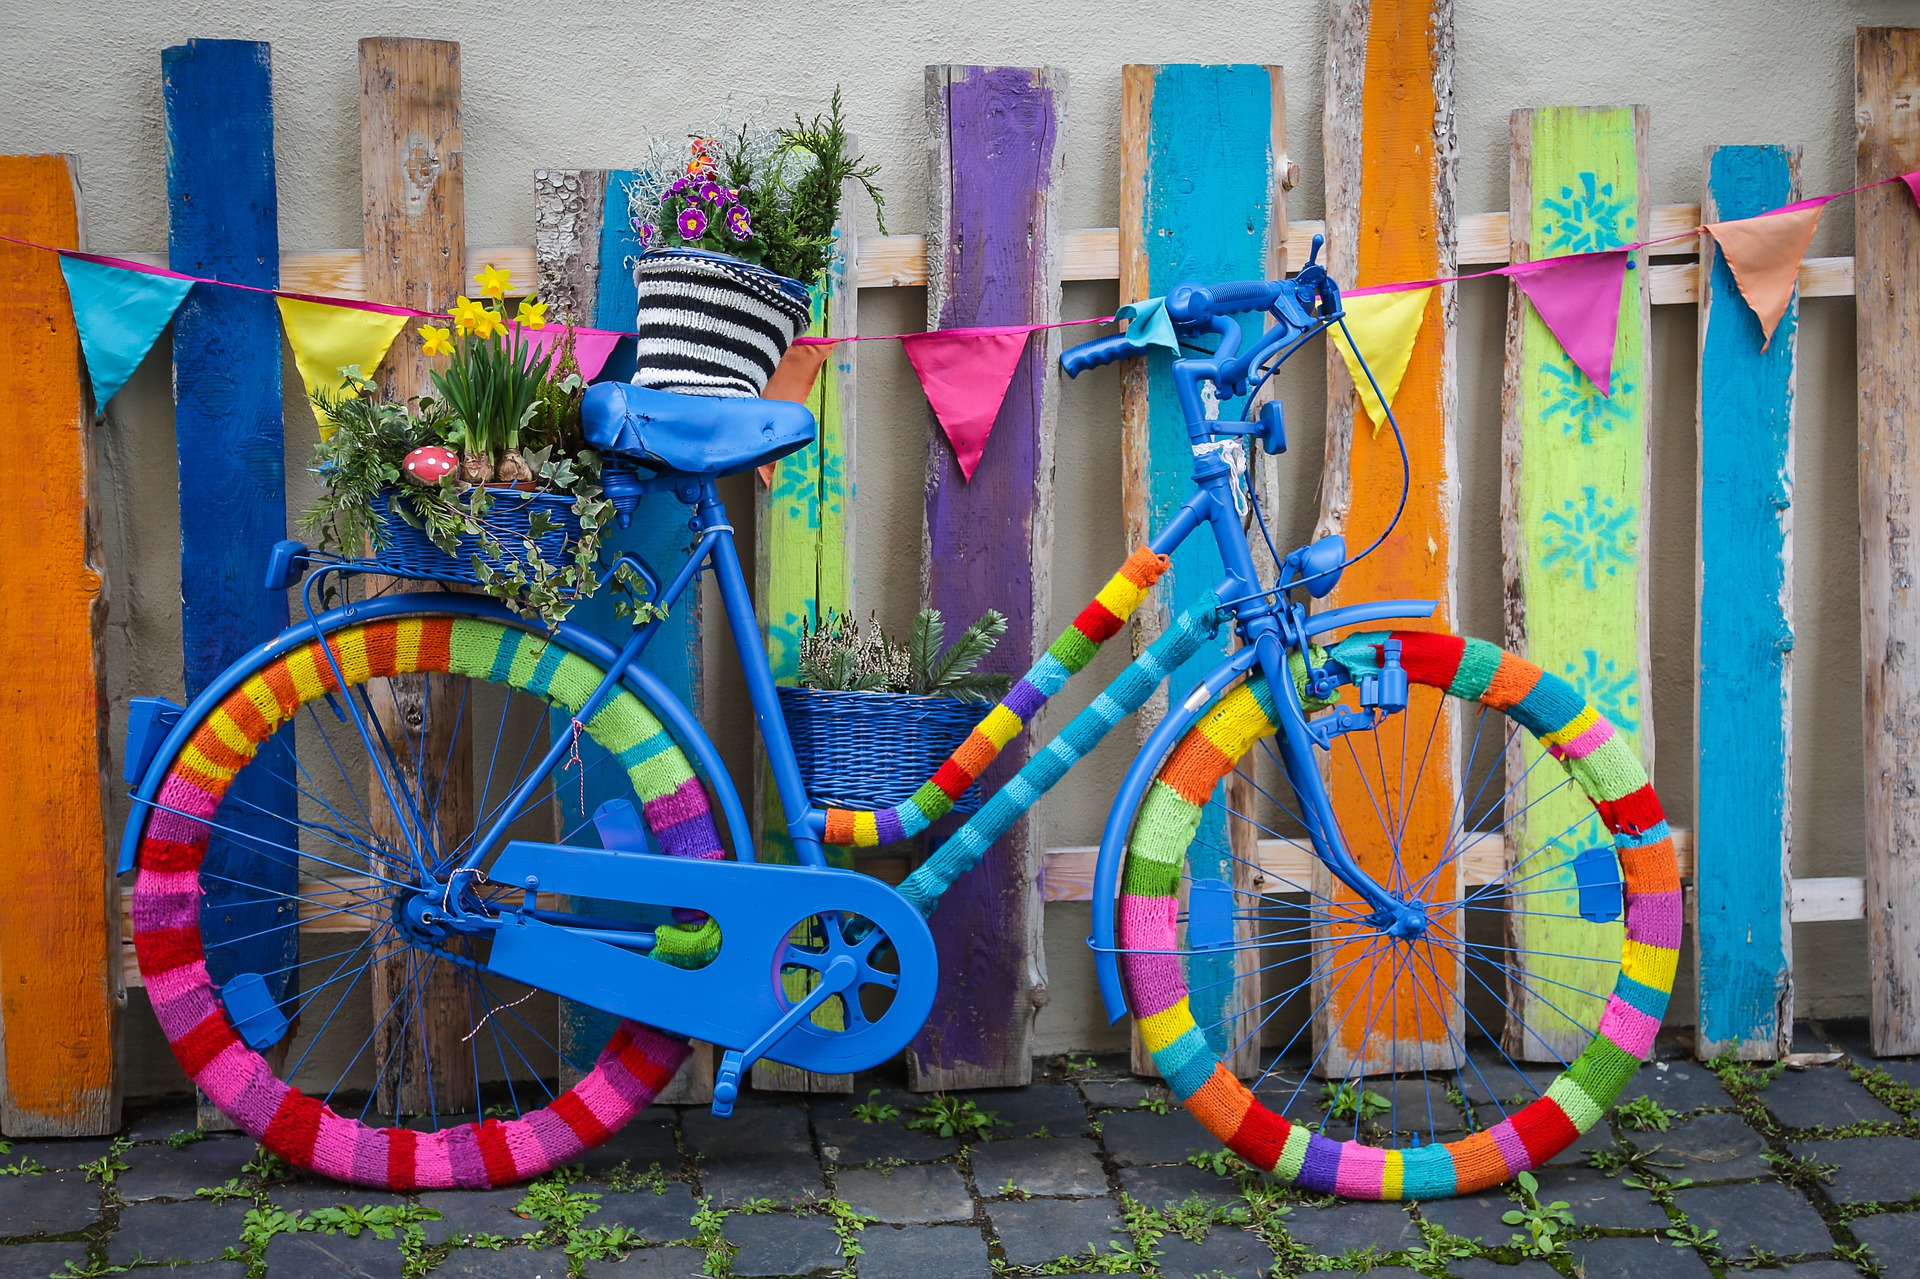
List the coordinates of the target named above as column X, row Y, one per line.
column 223, row 222
column 1743, row 936
column 1207, row 214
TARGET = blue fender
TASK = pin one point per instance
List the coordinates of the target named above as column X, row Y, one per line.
column 654, row 695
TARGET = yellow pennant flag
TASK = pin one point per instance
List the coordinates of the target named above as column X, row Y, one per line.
column 1384, row 326
column 326, row 339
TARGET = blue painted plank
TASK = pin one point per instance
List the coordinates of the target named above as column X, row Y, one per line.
column 223, row 222
column 1207, row 213
column 1743, row 935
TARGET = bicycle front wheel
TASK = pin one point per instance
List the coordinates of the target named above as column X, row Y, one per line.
column 1398, row 1061
column 370, row 1045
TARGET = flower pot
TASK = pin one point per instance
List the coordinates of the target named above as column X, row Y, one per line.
column 409, row 552
column 711, row 324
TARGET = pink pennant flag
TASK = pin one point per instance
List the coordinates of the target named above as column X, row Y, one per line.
column 1913, row 184
column 965, row 373
column 591, row 347
column 1578, row 299
column 1764, row 255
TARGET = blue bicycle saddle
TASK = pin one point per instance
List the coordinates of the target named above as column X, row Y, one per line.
column 692, row 434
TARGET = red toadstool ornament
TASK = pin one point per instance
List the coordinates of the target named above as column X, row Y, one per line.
column 429, row 464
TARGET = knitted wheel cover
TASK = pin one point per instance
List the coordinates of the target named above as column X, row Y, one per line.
column 1605, row 767
column 636, row 1063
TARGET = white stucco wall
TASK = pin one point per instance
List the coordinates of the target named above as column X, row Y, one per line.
column 576, row 84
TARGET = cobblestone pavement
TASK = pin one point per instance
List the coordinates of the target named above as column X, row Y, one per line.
column 1813, row 1174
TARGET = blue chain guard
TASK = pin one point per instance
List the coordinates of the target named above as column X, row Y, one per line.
column 737, row 997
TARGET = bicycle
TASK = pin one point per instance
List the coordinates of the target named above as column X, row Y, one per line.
column 831, row 970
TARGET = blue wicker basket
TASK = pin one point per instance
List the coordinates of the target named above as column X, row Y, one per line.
column 868, row 751
column 409, row 552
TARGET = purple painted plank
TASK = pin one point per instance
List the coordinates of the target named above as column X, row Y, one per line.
column 993, row 259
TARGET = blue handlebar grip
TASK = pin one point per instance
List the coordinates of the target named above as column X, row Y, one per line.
column 1076, row 360
column 1195, row 305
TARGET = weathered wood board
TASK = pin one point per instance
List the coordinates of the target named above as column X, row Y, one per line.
column 59, row 901
column 1391, row 156
column 1202, row 172
column 993, row 257
column 1743, row 818
column 1886, row 265
column 1574, row 488
column 414, row 232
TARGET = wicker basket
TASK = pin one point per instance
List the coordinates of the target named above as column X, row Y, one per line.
column 409, row 552
column 869, row 751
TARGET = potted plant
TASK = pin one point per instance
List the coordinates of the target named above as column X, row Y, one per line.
column 872, row 719
column 486, row 483
column 736, row 226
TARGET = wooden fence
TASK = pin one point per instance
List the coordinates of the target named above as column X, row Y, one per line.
column 1204, row 180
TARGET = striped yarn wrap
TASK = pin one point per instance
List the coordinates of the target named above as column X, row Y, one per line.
column 636, row 1063
column 711, row 326
column 1596, row 757
column 1066, row 657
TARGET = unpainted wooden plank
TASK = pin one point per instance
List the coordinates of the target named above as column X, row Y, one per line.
column 996, row 151
column 1391, row 161
column 568, row 205
column 1886, row 249
column 412, row 168
column 59, row 901
column 1743, row 635
column 1574, row 486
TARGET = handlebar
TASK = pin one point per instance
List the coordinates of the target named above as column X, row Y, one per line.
column 1091, row 355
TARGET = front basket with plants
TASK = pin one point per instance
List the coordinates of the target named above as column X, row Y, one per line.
column 872, row 719
column 486, row 483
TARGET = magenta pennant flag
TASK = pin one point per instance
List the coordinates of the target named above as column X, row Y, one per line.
column 965, row 373
column 1578, row 298
column 591, row 347
column 1913, row 184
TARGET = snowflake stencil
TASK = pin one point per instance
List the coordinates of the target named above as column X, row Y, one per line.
column 800, row 482
column 1588, row 220
column 1613, row 692
column 1576, row 403
column 1589, row 539
column 783, row 639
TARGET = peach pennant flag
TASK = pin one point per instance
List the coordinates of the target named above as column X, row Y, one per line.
column 793, row 379
column 1764, row 254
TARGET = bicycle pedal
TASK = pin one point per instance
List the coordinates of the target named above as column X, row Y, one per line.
column 726, row 1083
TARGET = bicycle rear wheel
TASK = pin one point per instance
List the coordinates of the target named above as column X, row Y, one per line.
column 1373, row 1072
column 449, row 1076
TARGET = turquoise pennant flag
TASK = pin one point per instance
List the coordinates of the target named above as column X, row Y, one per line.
column 120, row 314
column 1148, row 324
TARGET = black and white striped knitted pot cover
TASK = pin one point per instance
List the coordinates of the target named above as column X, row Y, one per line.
column 712, row 325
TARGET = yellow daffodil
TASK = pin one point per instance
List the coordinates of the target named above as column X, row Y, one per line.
column 488, row 323
column 532, row 314
column 493, row 281
column 470, row 317
column 436, row 340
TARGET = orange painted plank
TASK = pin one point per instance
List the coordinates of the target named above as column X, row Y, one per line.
column 1390, row 203
column 59, row 908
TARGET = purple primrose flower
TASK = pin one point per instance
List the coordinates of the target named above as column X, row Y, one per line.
column 738, row 223
column 692, row 223
column 647, row 231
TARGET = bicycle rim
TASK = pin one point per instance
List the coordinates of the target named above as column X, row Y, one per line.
column 1418, row 1066
column 402, row 1061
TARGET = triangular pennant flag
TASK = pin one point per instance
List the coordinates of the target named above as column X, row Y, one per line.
column 1913, row 184
column 591, row 347
column 793, row 379
column 326, row 339
column 1764, row 255
column 120, row 314
column 1384, row 326
column 965, row 373
column 1578, row 299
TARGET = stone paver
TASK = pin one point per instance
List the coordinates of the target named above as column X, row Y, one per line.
column 174, row 1233
column 38, row 1260
column 1823, row 1098
column 1053, row 1110
column 661, row 1218
column 1227, row 1252
column 751, row 1130
column 913, row 1195
column 1766, row 1216
column 638, row 1146
column 1173, row 1185
column 317, row 1256
column 311, row 1194
column 487, row 1263
column 1119, row 1094
column 1489, row 1079
column 1711, row 1147
column 1816, row 1270
column 1040, row 1230
column 777, row 1244
column 475, row 1212
column 161, row 1172
column 1677, row 1085
column 1871, row 1169
column 782, row 1176
column 1481, row 1268
column 1892, row 1237
column 1474, row 1216
column 677, row 1262
column 849, row 1141
column 1040, row 1166
column 1600, row 1202
column 1415, row 1105
column 1621, row 1258
column 922, row 1252
column 52, row 1203
column 1142, row 1137
column 54, row 1155
column 1349, row 1227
